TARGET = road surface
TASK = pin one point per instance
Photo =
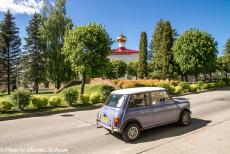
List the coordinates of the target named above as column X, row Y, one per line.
column 76, row 132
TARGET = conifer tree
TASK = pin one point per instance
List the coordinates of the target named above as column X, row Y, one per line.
column 142, row 67
column 161, row 45
column 10, row 50
column 35, row 62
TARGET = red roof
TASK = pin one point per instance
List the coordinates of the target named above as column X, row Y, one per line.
column 123, row 50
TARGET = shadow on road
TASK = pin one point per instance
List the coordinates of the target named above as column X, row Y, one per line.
column 170, row 130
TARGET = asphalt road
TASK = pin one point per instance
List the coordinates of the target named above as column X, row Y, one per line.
column 76, row 132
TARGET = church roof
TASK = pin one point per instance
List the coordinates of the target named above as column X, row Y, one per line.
column 123, row 50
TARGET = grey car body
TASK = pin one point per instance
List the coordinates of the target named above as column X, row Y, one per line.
column 146, row 106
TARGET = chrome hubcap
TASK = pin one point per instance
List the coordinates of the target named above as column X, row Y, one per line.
column 133, row 132
column 186, row 119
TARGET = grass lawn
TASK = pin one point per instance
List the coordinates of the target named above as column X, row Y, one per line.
column 89, row 88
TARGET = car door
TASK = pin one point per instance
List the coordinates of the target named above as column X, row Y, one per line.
column 140, row 108
column 165, row 110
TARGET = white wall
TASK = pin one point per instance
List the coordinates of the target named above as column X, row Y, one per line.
column 125, row 57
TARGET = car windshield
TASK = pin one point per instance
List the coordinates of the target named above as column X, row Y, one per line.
column 115, row 100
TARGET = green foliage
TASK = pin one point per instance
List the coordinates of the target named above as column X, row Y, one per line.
column 33, row 61
column 94, row 98
column 161, row 45
column 105, row 92
column 84, row 98
column 5, row 106
column 116, row 69
column 87, row 49
column 142, row 67
column 178, row 89
column 10, row 50
column 167, row 86
column 70, row 95
column 55, row 24
column 131, row 69
column 219, row 84
column 226, row 57
column 194, row 87
column 206, row 86
column 24, row 97
column 39, row 101
column 55, row 101
column 185, row 86
column 195, row 51
column 226, row 81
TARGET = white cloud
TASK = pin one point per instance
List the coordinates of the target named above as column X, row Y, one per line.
column 21, row 6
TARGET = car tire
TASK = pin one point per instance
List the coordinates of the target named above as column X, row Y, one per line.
column 131, row 132
column 185, row 118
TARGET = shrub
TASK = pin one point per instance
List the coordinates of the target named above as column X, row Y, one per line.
column 105, row 92
column 167, row 86
column 220, row 84
column 200, row 84
column 178, row 90
column 84, row 98
column 55, row 101
column 70, row 95
column 5, row 106
column 94, row 98
column 194, row 87
column 206, row 86
column 226, row 81
column 24, row 97
column 39, row 101
column 185, row 86
column 129, row 85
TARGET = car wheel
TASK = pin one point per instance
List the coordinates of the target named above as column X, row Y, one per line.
column 185, row 118
column 131, row 132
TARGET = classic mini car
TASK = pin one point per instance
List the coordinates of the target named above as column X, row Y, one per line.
column 128, row 111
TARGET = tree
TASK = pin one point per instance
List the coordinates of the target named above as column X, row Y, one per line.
column 226, row 57
column 195, row 51
column 161, row 46
column 10, row 50
column 116, row 69
column 131, row 69
column 143, row 65
column 87, row 49
column 55, row 24
column 35, row 62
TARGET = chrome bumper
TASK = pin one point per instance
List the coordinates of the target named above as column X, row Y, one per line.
column 112, row 129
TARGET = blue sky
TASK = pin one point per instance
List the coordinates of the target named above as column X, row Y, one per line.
column 135, row 16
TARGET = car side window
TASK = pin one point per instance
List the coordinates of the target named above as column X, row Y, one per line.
column 139, row 100
column 158, row 97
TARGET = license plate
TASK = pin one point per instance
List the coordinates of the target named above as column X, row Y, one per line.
column 105, row 119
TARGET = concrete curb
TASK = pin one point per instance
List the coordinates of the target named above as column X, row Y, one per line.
column 47, row 113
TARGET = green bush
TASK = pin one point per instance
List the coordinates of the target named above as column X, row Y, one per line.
column 200, row 84
column 226, row 81
column 94, row 98
column 178, row 89
column 220, row 84
column 70, row 95
column 24, row 97
column 39, row 101
column 5, row 106
column 194, row 87
column 105, row 92
column 84, row 98
column 55, row 101
column 206, row 86
column 185, row 86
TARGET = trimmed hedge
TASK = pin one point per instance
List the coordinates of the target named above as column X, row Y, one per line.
column 55, row 101
column 5, row 106
column 39, row 101
column 94, row 98
column 84, row 98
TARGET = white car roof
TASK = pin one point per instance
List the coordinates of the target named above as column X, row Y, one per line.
column 137, row 90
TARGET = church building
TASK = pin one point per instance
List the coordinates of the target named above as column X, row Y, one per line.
column 122, row 53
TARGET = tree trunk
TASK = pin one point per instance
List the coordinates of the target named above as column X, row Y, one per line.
column 83, row 83
column 186, row 78
column 205, row 77
column 210, row 76
column 58, row 85
column 182, row 77
column 8, row 71
column 36, row 87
